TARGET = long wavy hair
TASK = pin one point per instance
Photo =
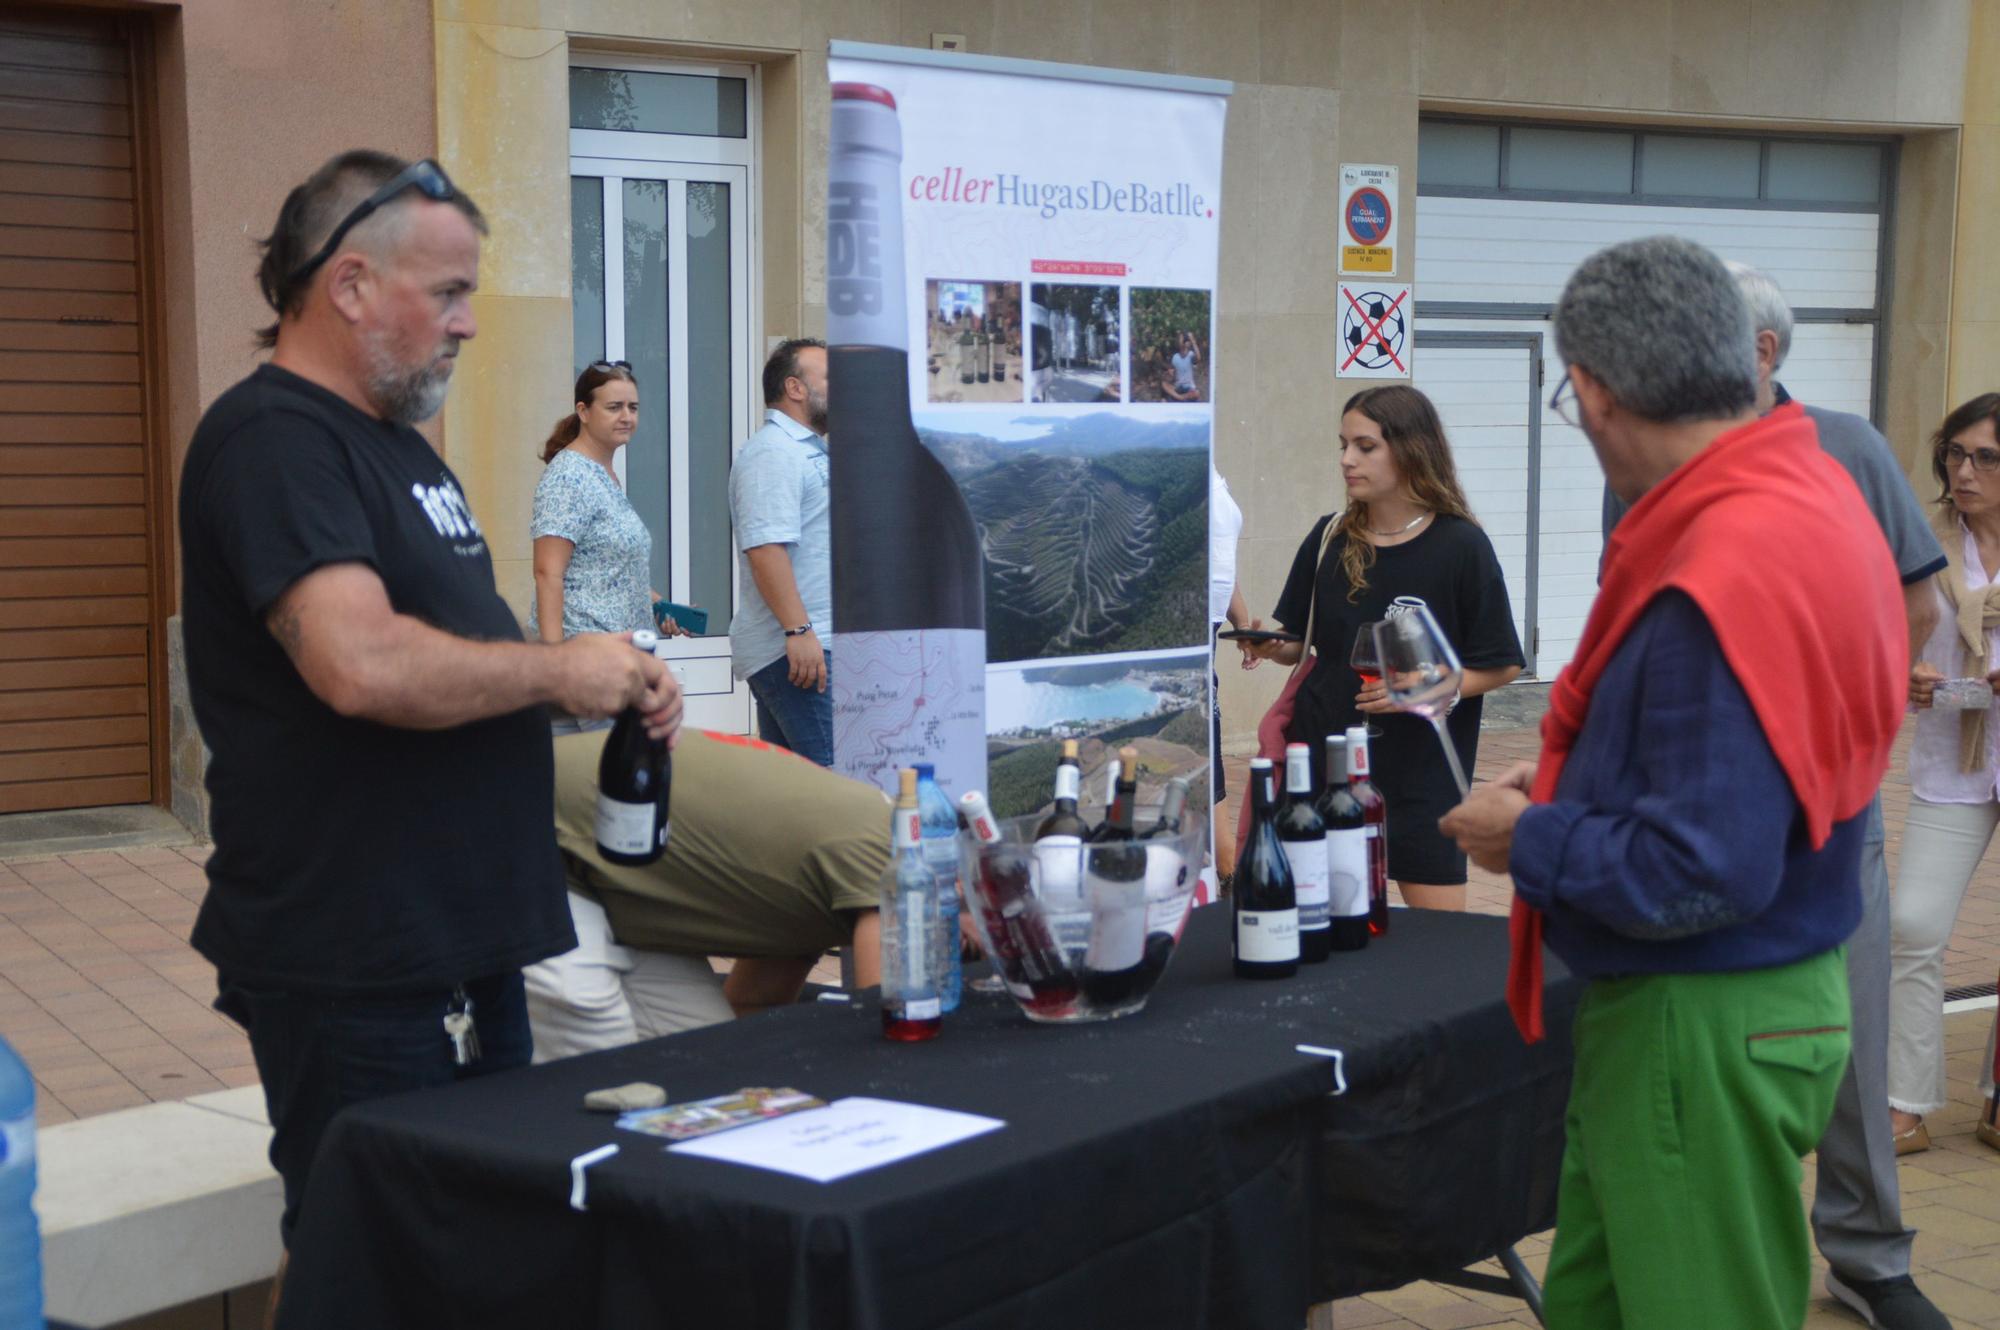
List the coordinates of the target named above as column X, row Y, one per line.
column 587, row 383
column 1986, row 406
column 1415, row 436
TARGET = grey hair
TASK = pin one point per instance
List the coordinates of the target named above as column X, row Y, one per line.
column 1769, row 311
column 1660, row 323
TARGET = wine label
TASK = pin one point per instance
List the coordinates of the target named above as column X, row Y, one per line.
column 1267, row 935
column 1309, row 861
column 1117, row 936
column 1167, row 891
column 1059, row 882
column 1347, row 872
column 626, row 828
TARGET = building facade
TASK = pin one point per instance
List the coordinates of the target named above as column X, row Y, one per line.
column 654, row 174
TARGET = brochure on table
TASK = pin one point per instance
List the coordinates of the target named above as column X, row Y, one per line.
column 846, row 1137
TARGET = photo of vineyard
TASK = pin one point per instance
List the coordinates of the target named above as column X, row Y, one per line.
column 1094, row 527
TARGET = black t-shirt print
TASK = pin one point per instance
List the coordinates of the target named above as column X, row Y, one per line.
column 1451, row 566
column 351, row 855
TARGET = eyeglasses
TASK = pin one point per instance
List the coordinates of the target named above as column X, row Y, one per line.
column 1563, row 403
column 610, row 364
column 1983, row 459
column 425, row 175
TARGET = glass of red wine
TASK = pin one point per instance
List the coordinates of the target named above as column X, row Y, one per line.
column 1422, row 674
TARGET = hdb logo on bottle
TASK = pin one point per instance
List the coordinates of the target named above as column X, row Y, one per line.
column 853, row 249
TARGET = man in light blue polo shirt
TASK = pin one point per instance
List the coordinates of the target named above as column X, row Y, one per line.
column 778, row 504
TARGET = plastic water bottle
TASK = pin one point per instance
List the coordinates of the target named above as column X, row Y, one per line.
column 20, row 1237
column 941, row 853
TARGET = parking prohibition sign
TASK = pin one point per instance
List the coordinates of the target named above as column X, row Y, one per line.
column 1367, row 219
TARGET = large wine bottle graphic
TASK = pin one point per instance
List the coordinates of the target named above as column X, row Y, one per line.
column 909, row 609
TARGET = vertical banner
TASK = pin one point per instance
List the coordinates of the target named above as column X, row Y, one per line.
column 1021, row 267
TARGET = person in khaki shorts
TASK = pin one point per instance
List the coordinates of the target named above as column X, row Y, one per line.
column 772, row 861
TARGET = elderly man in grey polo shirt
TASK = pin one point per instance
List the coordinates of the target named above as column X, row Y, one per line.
column 778, row 505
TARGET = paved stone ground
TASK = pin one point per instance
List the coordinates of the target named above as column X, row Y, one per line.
column 102, row 995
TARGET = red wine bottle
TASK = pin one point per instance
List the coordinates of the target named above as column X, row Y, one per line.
column 1358, row 769
column 1115, row 883
column 1346, row 848
column 1304, row 835
column 1059, row 859
column 909, row 600
column 1024, row 951
column 1265, row 905
column 912, row 986
column 635, row 776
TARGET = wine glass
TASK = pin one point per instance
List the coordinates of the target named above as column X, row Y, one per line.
column 1366, row 660
column 1422, row 673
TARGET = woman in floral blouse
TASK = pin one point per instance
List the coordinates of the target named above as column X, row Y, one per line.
column 592, row 551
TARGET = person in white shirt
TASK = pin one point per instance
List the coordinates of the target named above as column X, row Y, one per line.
column 1225, row 604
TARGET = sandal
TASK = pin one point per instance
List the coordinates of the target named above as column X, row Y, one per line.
column 1918, row 1139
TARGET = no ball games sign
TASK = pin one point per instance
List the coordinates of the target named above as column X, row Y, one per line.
column 1368, row 206
column 1374, row 331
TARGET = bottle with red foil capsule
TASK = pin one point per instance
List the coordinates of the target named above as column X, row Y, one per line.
column 1377, row 812
column 909, row 600
column 1024, row 950
column 912, row 987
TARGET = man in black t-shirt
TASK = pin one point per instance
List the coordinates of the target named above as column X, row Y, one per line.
column 380, row 776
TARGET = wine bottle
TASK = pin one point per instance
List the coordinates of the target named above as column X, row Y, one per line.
column 1115, row 882
column 912, row 1002
column 1058, row 858
column 1304, row 836
column 1111, row 772
column 941, row 853
column 1000, row 353
column 1166, row 878
column 1265, row 905
column 1358, row 770
column 985, row 354
column 909, row 604
column 1024, row 951
column 635, row 776
column 1346, row 848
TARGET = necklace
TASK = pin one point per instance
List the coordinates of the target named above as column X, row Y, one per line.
column 1399, row 530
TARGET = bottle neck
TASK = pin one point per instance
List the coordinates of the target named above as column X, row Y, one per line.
column 1263, row 794
column 909, row 827
column 1122, row 800
column 1175, row 805
column 1069, row 785
column 864, row 228
column 1298, row 773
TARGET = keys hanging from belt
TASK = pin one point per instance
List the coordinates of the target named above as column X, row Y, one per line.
column 458, row 1027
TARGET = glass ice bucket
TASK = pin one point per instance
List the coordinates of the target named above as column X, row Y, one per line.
column 1080, row 932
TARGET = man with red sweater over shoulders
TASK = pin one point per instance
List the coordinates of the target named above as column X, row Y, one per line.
column 1690, row 840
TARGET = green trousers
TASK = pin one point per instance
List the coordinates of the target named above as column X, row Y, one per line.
column 1694, row 1098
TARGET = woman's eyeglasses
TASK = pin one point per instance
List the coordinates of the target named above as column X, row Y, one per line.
column 426, row 176
column 611, row 364
column 1983, row 459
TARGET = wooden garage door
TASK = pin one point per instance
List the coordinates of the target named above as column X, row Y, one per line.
column 75, row 728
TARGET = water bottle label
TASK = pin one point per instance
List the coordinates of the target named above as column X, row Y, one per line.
column 1310, row 879
column 1347, row 873
column 922, row 1009
column 626, row 828
column 17, row 1142
column 1267, row 935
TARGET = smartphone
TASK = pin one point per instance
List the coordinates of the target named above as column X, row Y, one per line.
column 1256, row 635
column 688, row 617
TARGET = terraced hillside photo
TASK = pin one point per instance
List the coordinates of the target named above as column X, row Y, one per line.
column 1094, row 528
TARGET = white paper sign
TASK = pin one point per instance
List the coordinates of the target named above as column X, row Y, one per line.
column 848, row 1136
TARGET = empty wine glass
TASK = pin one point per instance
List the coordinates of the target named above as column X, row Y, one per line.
column 1422, row 674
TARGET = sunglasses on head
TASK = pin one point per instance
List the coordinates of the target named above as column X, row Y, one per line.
column 425, row 175
column 611, row 364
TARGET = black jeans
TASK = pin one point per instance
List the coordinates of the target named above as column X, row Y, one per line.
column 317, row 1054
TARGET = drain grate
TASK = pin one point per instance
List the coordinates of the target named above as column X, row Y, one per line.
column 1971, row 991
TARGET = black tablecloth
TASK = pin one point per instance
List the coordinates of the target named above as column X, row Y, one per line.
column 1185, row 1167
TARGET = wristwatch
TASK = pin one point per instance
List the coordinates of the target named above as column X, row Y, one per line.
column 799, row 631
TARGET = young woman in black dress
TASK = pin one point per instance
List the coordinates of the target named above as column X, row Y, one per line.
column 1406, row 531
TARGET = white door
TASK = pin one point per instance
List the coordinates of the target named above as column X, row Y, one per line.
column 1484, row 385
column 677, row 310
